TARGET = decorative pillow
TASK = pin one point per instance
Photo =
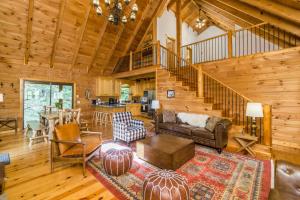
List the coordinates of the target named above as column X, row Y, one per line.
column 211, row 123
column 169, row 116
column 193, row 119
column 69, row 132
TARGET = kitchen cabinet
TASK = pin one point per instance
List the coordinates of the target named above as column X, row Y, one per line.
column 105, row 86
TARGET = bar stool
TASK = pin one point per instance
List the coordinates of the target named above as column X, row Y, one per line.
column 35, row 131
column 98, row 117
column 107, row 118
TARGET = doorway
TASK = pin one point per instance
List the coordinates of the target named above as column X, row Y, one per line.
column 37, row 94
column 171, row 46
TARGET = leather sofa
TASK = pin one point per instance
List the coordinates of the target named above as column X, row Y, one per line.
column 217, row 139
column 287, row 182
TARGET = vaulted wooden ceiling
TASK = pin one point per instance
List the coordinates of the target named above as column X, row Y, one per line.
column 69, row 34
column 244, row 13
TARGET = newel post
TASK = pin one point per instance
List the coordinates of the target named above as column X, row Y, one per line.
column 158, row 61
column 130, row 61
column 229, row 44
column 267, row 109
column 200, row 82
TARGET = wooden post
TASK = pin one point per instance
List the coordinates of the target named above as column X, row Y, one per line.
column 178, row 28
column 200, row 82
column 130, row 61
column 267, row 140
column 158, row 61
column 229, row 44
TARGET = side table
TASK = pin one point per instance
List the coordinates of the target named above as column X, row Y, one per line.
column 246, row 141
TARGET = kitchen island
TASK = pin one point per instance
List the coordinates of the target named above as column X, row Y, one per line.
column 134, row 108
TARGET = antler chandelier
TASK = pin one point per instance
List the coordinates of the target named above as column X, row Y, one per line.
column 116, row 10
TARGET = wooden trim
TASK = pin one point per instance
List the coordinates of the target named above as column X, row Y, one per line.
column 135, row 72
column 57, row 30
column 267, row 109
column 29, row 30
column 80, row 37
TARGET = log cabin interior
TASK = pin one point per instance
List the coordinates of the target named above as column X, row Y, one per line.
column 148, row 99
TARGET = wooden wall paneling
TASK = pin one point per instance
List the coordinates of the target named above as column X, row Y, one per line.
column 29, row 30
column 57, row 30
column 98, row 42
column 271, row 78
column 80, row 37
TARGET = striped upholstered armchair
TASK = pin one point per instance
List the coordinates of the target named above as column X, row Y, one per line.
column 127, row 129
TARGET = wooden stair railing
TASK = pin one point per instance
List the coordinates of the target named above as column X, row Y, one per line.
column 234, row 106
column 180, row 68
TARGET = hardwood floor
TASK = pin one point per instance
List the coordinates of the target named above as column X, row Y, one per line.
column 29, row 177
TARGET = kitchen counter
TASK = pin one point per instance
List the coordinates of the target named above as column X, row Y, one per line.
column 134, row 108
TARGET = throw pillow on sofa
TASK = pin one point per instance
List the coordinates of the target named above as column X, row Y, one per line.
column 193, row 119
column 169, row 116
column 211, row 123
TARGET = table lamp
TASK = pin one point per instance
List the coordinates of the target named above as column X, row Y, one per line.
column 155, row 105
column 254, row 110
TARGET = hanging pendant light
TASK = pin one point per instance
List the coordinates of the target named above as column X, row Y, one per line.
column 116, row 10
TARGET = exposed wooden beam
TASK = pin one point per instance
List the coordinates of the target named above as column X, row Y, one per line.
column 118, row 36
column 98, row 42
column 178, row 28
column 276, row 9
column 133, row 35
column 80, row 36
column 57, row 30
column 29, row 30
column 156, row 13
column 215, row 17
column 264, row 16
column 185, row 4
column 239, row 18
column 170, row 4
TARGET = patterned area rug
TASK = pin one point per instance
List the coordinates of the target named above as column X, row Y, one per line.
column 210, row 176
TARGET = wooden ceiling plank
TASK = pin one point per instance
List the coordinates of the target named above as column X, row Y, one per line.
column 119, row 34
column 133, row 35
column 185, row 4
column 156, row 13
column 98, row 42
column 29, row 30
column 57, row 30
column 235, row 16
column 276, row 9
column 257, row 13
column 82, row 31
column 170, row 4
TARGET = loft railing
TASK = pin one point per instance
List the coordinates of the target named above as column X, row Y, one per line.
column 180, row 68
column 255, row 39
column 139, row 59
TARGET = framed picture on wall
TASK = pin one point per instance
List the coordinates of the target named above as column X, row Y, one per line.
column 171, row 93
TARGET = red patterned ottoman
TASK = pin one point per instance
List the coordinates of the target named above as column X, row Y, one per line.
column 117, row 161
column 165, row 185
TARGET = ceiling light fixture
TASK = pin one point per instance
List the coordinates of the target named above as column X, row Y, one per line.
column 200, row 22
column 116, row 10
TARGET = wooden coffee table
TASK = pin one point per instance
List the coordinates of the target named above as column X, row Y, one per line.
column 166, row 151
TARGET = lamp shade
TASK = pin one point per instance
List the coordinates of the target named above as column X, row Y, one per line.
column 155, row 104
column 1, row 97
column 254, row 110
